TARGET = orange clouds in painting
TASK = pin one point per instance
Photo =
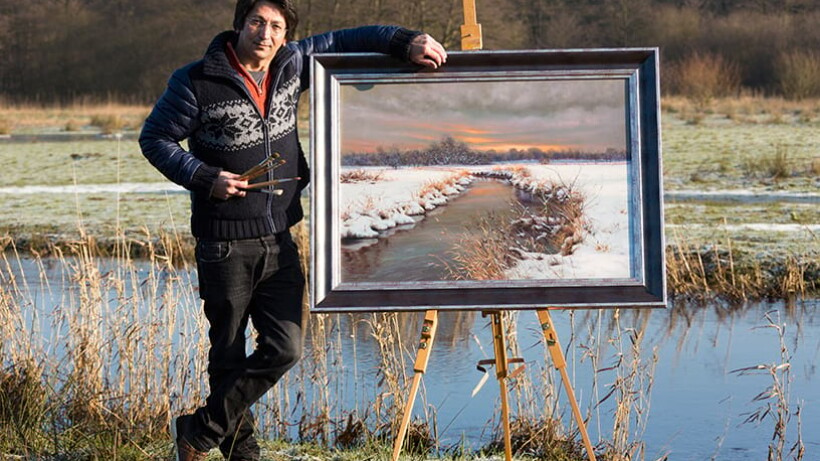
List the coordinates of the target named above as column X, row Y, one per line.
column 548, row 115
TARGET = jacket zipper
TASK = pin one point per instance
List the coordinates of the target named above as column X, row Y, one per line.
column 271, row 174
column 265, row 133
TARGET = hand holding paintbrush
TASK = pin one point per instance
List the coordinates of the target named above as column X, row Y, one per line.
column 269, row 164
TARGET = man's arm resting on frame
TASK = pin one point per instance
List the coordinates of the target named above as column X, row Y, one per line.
column 409, row 45
column 397, row 41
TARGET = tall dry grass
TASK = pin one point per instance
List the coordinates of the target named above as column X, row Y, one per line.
column 483, row 253
column 775, row 400
column 746, row 107
column 632, row 388
column 702, row 77
column 136, row 326
column 702, row 272
column 108, row 361
column 798, row 74
column 71, row 117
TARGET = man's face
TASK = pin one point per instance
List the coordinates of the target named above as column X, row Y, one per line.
column 262, row 35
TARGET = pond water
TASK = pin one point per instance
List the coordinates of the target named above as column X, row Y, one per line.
column 695, row 410
column 697, row 406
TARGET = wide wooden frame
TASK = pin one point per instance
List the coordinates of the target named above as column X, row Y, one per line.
column 644, row 287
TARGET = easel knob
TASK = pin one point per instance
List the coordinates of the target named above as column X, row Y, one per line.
column 471, row 37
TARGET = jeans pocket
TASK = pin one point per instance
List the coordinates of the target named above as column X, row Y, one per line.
column 212, row 251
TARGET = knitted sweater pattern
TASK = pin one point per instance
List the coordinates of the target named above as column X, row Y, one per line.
column 232, row 135
column 208, row 103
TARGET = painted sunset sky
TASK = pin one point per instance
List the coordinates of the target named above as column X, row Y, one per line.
column 585, row 115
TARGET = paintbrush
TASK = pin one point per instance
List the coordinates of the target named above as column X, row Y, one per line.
column 272, row 182
column 266, row 191
column 271, row 163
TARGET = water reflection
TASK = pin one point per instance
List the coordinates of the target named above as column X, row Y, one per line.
column 693, row 405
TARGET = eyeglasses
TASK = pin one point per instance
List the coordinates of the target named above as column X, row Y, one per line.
column 276, row 28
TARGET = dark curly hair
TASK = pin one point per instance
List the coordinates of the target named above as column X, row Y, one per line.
column 243, row 7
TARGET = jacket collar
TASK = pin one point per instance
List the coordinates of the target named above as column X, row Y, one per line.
column 215, row 62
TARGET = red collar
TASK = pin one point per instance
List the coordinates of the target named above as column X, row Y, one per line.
column 260, row 95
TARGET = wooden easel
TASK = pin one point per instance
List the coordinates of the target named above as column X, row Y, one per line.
column 471, row 39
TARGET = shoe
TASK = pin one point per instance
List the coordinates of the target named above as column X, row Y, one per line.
column 183, row 451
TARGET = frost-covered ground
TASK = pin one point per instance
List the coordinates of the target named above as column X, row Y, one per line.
column 399, row 194
column 743, row 196
column 120, row 188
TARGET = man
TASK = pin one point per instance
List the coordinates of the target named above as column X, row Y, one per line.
column 237, row 107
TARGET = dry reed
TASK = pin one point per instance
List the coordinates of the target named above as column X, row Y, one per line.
column 775, row 400
column 92, row 355
column 483, row 253
column 703, row 272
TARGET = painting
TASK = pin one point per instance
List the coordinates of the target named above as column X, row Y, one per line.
column 503, row 180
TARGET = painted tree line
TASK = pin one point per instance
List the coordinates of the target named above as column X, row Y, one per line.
column 449, row 151
column 65, row 50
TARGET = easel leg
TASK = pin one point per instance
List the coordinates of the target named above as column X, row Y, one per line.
column 428, row 333
column 561, row 364
column 502, row 374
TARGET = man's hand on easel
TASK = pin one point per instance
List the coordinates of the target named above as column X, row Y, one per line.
column 426, row 51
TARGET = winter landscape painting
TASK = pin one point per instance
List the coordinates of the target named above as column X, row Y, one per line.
column 478, row 189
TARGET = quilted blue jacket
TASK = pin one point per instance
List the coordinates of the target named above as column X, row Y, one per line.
column 207, row 103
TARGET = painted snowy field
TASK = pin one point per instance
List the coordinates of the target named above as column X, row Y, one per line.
column 368, row 208
column 604, row 252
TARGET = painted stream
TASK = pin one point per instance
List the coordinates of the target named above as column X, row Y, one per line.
column 424, row 251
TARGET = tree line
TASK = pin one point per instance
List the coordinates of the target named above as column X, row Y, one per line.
column 63, row 50
column 449, row 151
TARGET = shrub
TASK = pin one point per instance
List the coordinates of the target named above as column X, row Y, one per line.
column 777, row 164
column 360, row 175
column 72, row 125
column 108, row 123
column 5, row 126
column 798, row 74
column 703, row 77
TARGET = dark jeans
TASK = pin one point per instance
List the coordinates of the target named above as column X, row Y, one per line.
column 258, row 279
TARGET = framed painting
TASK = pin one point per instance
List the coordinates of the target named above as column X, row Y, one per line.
column 502, row 180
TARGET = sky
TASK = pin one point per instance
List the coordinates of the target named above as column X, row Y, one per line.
column 586, row 115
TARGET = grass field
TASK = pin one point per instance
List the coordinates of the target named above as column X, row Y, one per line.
column 774, row 151
column 63, row 163
column 719, row 154
column 744, row 144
